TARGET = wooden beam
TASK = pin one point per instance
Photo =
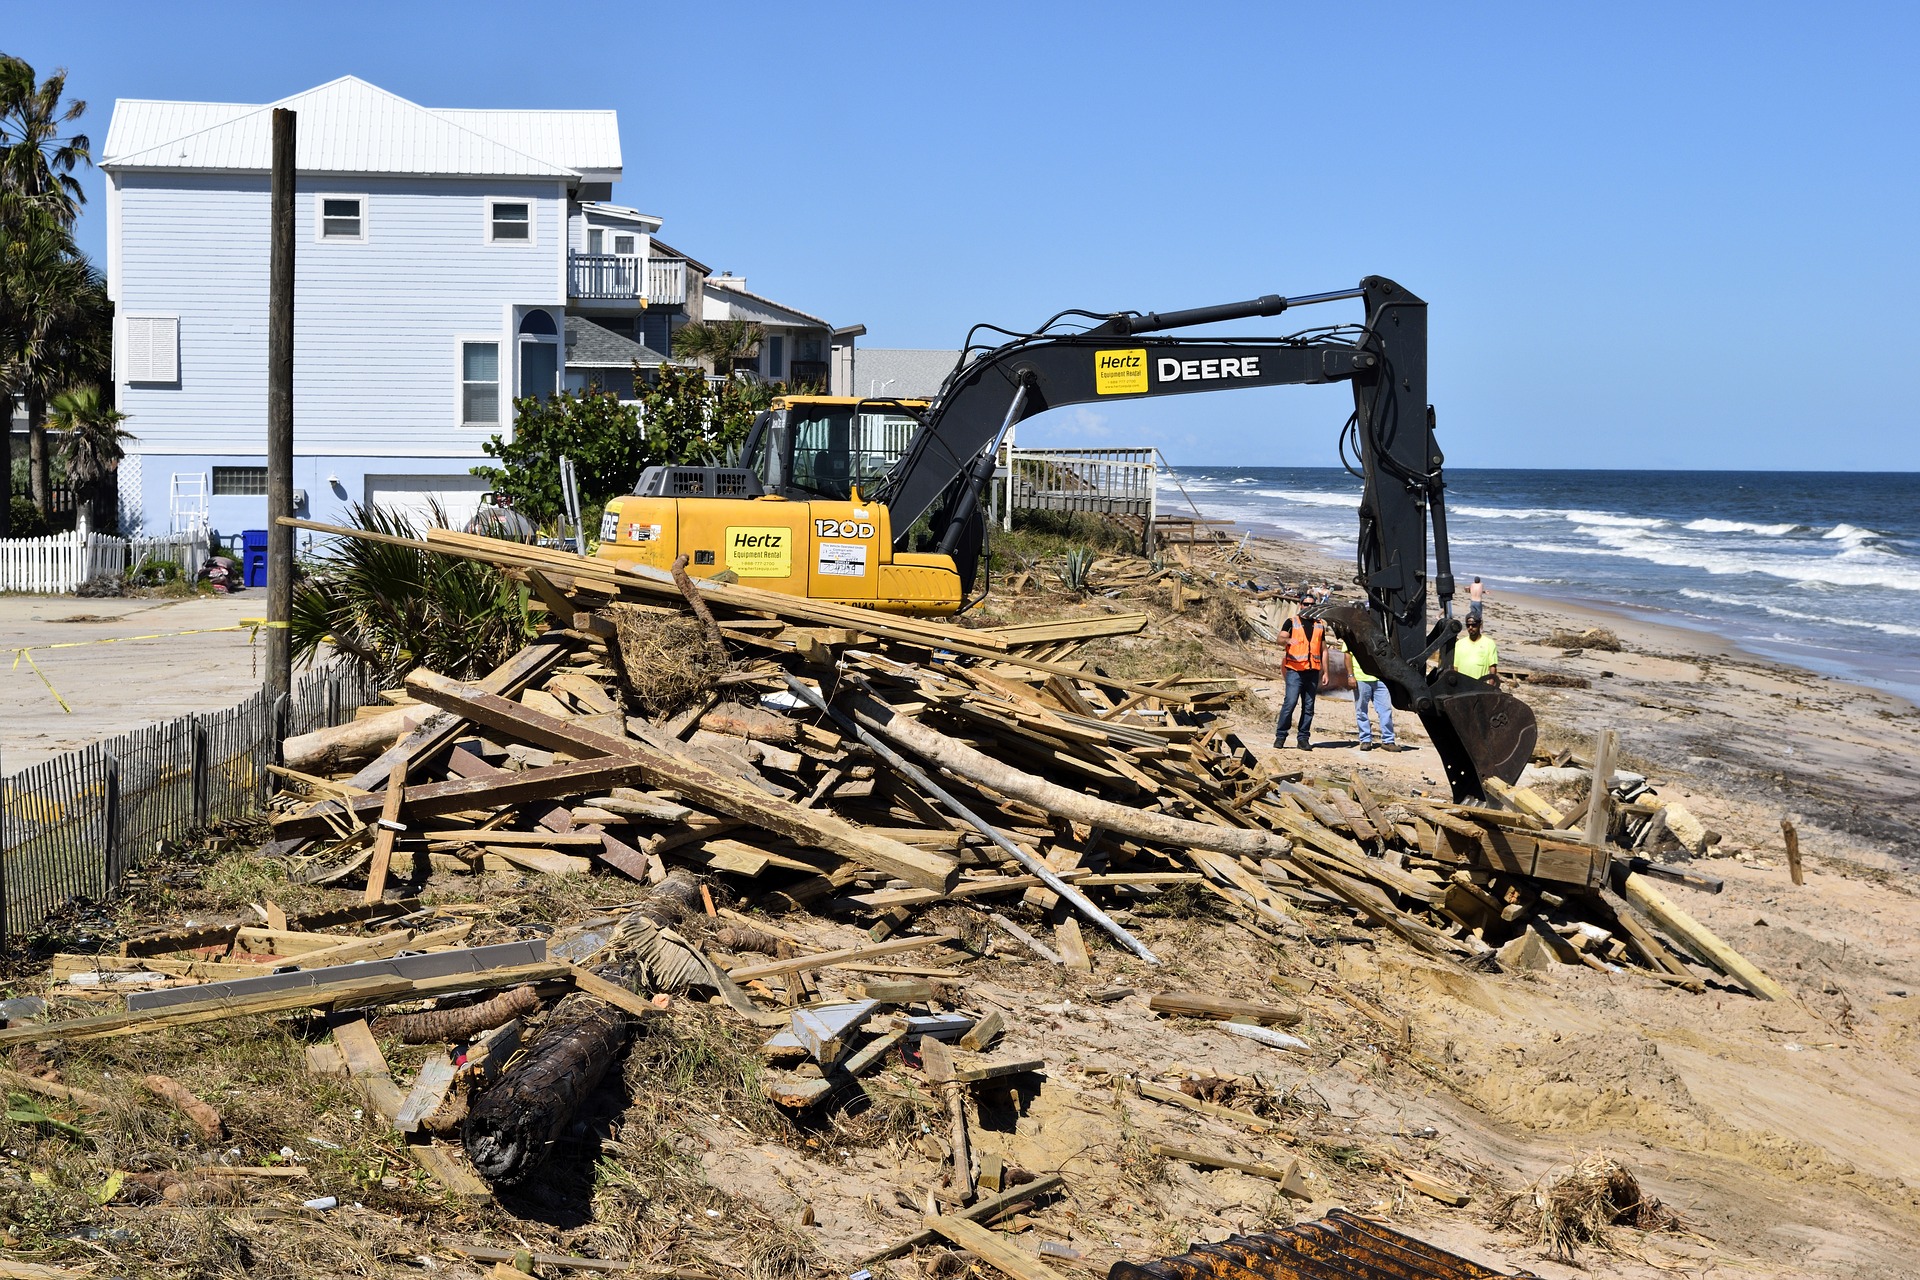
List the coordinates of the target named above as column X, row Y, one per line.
column 494, row 791
column 695, row 782
column 991, row 1248
column 828, row 959
column 1641, row 894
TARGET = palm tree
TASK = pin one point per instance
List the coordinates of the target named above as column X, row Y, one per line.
column 55, row 321
column 90, row 445
column 719, row 343
column 56, row 326
column 36, row 162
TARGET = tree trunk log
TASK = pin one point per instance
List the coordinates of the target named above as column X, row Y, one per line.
column 450, row 1026
column 515, row 1123
column 354, row 739
column 962, row 761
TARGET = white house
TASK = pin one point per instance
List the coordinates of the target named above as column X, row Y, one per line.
column 439, row 255
column 798, row 348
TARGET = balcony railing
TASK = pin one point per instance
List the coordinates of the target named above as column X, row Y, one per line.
column 666, row 281
column 619, row 277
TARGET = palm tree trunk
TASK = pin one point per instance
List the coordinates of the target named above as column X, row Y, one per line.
column 6, row 464
column 37, row 476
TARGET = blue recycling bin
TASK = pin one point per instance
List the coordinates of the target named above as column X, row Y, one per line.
column 253, row 556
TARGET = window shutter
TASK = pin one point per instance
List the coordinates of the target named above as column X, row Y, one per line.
column 153, row 349
column 166, row 348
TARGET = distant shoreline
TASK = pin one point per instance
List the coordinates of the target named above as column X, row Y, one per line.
column 1581, row 609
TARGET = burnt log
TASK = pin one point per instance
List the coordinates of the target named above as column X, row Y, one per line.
column 512, row 1127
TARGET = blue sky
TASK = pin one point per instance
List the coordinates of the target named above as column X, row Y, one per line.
column 1651, row 235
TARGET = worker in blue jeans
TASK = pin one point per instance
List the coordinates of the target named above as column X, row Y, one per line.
column 1370, row 692
column 1305, row 642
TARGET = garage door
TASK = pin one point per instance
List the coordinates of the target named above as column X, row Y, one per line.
column 415, row 496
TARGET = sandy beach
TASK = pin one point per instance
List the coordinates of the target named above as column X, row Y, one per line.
column 1788, row 1135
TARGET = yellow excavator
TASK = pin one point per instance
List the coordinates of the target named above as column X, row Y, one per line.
column 877, row 502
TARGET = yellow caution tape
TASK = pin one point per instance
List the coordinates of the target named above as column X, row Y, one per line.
column 252, row 626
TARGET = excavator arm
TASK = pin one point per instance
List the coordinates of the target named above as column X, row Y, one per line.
column 1479, row 731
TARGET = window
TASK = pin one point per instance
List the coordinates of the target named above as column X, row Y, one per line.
column 596, row 241
column 239, row 482
column 539, row 355
column 509, row 221
column 152, row 351
column 623, row 244
column 479, row 384
column 776, row 356
column 342, row 217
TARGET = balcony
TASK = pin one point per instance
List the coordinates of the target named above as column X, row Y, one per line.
column 620, row 277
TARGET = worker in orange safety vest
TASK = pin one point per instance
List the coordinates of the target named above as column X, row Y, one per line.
column 1306, row 659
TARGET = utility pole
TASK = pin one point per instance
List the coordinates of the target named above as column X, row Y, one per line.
column 280, row 411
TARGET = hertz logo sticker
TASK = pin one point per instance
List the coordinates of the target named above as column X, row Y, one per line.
column 760, row 551
column 1120, row 373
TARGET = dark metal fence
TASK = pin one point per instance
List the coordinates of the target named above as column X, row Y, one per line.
column 75, row 825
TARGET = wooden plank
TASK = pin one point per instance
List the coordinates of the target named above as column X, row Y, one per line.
column 1288, row 1175
column 1641, row 894
column 383, row 836
column 533, row 839
column 380, row 989
column 1194, row 1004
column 496, row 790
column 991, row 1248
column 428, row 1092
column 1599, row 796
column 828, row 959
column 1160, row 1093
column 1792, row 838
column 989, row 1210
column 695, row 782
column 1073, row 947
column 983, row 1071
column 609, row 992
column 449, row 1167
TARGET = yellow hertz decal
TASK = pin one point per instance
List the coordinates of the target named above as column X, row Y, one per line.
column 760, row 551
column 1120, row 373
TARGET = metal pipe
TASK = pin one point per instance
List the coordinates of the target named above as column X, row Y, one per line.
column 1271, row 304
column 919, row 778
column 979, row 474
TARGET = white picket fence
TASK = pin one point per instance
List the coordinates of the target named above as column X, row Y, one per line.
column 61, row 562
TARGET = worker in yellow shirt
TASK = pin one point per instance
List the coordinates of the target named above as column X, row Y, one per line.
column 1477, row 655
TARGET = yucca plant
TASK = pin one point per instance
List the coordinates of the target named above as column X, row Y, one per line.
column 1076, row 570
column 395, row 608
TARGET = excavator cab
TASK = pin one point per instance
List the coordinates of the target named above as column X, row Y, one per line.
column 793, row 517
column 808, row 447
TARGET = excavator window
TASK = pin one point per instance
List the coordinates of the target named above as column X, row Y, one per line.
column 813, row 450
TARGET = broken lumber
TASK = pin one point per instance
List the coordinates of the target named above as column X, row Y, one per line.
column 695, row 782
column 1288, row 1176
column 1657, row 907
column 1194, row 1004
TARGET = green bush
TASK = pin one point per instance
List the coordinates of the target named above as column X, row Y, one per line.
column 392, row 608
column 25, row 520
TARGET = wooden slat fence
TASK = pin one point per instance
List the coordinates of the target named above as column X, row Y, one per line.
column 74, row 826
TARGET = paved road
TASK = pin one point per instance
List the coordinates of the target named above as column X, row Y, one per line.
column 116, row 687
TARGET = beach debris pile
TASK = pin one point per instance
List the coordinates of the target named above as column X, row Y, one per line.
column 737, row 755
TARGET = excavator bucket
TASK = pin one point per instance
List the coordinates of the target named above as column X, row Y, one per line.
column 1341, row 1246
column 1479, row 732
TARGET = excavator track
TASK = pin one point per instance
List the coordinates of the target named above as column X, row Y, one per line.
column 1341, row 1246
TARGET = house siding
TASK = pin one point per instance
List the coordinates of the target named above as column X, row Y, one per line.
column 376, row 323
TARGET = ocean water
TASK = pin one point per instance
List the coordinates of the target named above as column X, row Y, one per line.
column 1819, row 569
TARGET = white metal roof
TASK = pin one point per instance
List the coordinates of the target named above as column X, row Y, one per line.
column 620, row 213
column 347, row 126
column 585, row 141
